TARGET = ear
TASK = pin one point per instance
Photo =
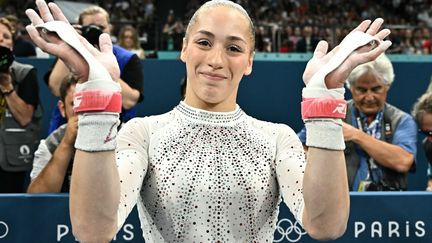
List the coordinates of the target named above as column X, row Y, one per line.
column 183, row 51
column 62, row 108
column 249, row 64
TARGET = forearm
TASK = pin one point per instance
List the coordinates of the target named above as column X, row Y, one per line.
column 386, row 154
column 51, row 178
column 21, row 111
column 58, row 73
column 326, row 196
column 94, row 197
column 130, row 96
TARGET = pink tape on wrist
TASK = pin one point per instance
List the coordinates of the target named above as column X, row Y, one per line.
column 323, row 108
column 97, row 101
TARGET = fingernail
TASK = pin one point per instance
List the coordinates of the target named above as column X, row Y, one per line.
column 387, row 44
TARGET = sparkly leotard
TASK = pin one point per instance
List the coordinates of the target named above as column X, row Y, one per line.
column 199, row 176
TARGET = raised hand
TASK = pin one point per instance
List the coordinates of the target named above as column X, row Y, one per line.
column 365, row 53
column 50, row 42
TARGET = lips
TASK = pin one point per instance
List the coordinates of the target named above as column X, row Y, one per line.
column 213, row 76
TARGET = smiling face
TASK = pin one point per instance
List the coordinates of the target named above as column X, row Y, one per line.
column 369, row 93
column 217, row 53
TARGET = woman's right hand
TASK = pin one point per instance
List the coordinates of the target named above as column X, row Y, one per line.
column 52, row 44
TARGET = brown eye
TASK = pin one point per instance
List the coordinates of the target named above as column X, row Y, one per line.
column 234, row 48
column 203, row 43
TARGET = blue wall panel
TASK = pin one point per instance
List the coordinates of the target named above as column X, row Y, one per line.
column 272, row 92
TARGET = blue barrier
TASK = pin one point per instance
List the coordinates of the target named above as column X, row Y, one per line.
column 374, row 217
column 271, row 93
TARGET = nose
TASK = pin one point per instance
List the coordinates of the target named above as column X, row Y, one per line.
column 369, row 95
column 215, row 58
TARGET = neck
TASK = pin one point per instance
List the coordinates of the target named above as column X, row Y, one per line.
column 214, row 107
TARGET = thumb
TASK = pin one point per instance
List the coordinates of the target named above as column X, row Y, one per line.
column 105, row 43
column 321, row 49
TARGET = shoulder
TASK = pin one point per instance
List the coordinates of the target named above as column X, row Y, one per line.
column 271, row 129
column 53, row 140
column 121, row 53
column 148, row 124
column 395, row 114
column 21, row 70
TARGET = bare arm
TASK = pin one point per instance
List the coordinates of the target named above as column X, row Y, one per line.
column 58, row 73
column 325, row 189
column 386, row 154
column 94, row 196
column 326, row 182
column 129, row 95
column 51, row 178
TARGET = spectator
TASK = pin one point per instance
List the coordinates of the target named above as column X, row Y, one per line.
column 207, row 165
column 422, row 112
column 52, row 166
column 22, row 47
column 168, row 32
column 380, row 139
column 172, row 32
column 19, row 116
column 131, row 78
column 308, row 42
column 129, row 39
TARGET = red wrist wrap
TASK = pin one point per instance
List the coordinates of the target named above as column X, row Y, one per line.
column 97, row 101
column 323, row 108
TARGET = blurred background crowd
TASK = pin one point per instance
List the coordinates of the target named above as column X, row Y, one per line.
column 281, row 25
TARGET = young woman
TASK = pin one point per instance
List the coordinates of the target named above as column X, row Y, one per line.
column 206, row 171
column 128, row 39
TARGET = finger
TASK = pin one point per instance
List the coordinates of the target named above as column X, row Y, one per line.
column 105, row 43
column 44, row 11
column 34, row 17
column 382, row 34
column 375, row 26
column 88, row 46
column 78, row 28
column 57, row 13
column 39, row 41
column 362, row 26
column 321, row 49
column 373, row 54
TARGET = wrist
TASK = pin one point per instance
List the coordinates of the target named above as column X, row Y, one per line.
column 97, row 131
column 324, row 133
column 7, row 91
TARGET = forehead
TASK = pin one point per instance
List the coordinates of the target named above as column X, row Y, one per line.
column 97, row 18
column 222, row 20
column 3, row 29
column 369, row 79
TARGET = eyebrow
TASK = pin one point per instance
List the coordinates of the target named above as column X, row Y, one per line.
column 231, row 37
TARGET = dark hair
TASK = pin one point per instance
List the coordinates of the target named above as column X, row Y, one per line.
column 66, row 83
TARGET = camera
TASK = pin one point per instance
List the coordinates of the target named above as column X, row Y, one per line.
column 91, row 33
column 6, row 59
column 382, row 185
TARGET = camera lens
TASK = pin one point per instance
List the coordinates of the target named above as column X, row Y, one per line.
column 91, row 33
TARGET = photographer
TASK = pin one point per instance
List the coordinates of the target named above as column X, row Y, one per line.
column 380, row 138
column 422, row 113
column 92, row 22
column 19, row 115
